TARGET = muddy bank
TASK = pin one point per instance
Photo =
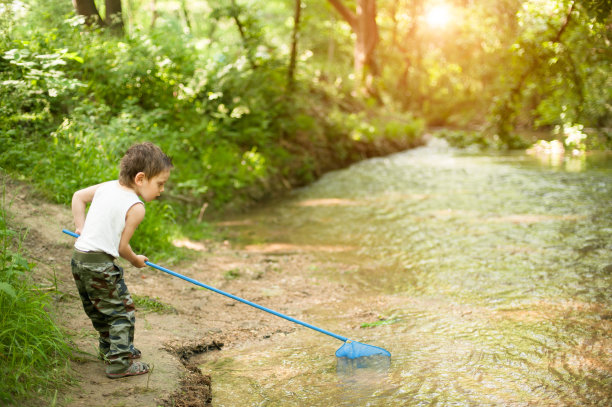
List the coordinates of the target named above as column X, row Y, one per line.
column 195, row 387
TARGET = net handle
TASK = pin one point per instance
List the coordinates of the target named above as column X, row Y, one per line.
column 242, row 300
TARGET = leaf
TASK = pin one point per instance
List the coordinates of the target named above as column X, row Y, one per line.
column 8, row 289
column 7, row 232
column 73, row 56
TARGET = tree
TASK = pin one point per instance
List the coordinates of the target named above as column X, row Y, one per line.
column 87, row 8
column 294, row 44
column 113, row 16
column 363, row 24
column 561, row 69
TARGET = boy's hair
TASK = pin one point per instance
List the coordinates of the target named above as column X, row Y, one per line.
column 144, row 157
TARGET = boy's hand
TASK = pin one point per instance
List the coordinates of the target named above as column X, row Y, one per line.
column 139, row 261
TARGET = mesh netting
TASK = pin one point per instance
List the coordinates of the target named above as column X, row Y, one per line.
column 353, row 356
column 353, row 350
column 374, row 363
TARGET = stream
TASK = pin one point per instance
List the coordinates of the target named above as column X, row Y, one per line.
column 487, row 276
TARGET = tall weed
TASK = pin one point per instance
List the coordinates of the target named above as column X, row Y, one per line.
column 33, row 350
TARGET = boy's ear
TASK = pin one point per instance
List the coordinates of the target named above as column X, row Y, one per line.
column 139, row 178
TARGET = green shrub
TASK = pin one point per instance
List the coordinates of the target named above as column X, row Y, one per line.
column 466, row 138
column 400, row 129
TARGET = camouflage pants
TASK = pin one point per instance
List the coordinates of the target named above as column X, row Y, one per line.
column 108, row 304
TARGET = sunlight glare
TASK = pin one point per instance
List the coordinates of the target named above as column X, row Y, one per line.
column 438, row 16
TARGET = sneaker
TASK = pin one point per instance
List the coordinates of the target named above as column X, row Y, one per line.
column 135, row 369
column 135, row 353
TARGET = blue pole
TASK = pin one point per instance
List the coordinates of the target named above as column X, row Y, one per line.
column 252, row 304
column 66, row 231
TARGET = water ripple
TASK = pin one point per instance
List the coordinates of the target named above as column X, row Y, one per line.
column 498, row 271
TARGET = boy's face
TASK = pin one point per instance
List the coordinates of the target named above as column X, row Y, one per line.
column 151, row 188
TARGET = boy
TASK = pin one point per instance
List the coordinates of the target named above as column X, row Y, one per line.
column 114, row 214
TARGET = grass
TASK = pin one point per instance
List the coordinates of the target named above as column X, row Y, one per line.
column 34, row 354
column 231, row 274
column 380, row 322
column 147, row 304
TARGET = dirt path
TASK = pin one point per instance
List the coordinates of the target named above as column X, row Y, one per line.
column 194, row 321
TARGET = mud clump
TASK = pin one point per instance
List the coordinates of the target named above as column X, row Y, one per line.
column 195, row 389
column 186, row 352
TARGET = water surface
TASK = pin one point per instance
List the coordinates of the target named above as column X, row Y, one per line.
column 491, row 277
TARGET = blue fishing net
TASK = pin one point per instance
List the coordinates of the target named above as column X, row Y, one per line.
column 355, row 355
column 354, row 350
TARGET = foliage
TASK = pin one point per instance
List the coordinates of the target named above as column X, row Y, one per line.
column 362, row 128
column 33, row 350
column 223, row 115
column 496, row 65
column 466, row 138
column 560, row 72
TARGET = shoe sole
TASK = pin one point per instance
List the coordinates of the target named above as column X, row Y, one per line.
column 127, row 374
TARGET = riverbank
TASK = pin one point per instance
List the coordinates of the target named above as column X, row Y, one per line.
column 175, row 320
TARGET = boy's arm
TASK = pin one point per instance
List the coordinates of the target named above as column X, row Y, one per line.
column 80, row 199
column 134, row 216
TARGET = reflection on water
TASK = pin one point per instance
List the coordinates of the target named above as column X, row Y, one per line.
column 363, row 365
column 360, row 380
column 488, row 278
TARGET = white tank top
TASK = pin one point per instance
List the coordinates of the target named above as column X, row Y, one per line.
column 105, row 219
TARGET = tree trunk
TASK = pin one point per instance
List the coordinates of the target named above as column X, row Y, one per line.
column 347, row 14
column 294, row 44
column 363, row 24
column 367, row 39
column 154, row 13
column 114, row 17
column 87, row 8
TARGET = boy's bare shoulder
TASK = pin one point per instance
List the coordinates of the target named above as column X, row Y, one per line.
column 136, row 211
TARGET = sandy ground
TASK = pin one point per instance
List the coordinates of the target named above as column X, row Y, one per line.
column 198, row 320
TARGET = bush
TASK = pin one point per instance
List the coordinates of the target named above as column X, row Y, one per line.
column 465, row 138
